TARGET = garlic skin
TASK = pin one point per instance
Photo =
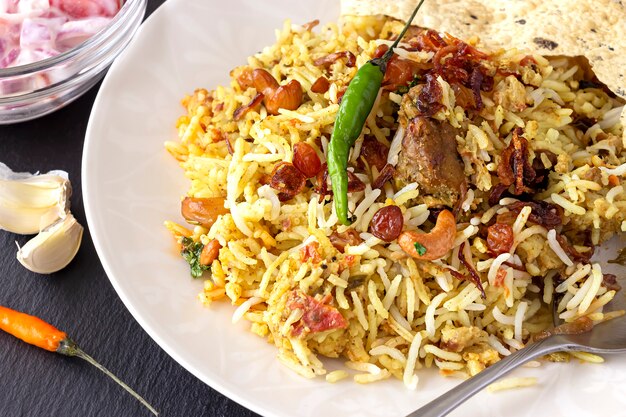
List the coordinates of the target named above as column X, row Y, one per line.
column 30, row 203
column 53, row 248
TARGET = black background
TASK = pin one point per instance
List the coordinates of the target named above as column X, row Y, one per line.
column 81, row 301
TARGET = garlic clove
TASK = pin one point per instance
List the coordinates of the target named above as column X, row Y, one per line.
column 53, row 248
column 30, row 203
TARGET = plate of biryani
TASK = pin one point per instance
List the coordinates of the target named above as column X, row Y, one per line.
column 305, row 267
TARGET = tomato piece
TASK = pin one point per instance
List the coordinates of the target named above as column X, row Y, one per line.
column 346, row 262
column 311, row 253
column 500, row 276
column 287, row 180
column 400, row 72
column 317, row 316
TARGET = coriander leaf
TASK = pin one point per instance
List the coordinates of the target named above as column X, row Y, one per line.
column 191, row 253
column 403, row 89
column 421, row 249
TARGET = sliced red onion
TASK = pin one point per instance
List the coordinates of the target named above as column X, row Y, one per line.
column 76, row 32
column 8, row 6
column 27, row 56
column 32, row 30
column 9, row 57
column 40, row 33
column 30, row 6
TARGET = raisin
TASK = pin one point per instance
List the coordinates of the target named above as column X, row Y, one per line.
column 306, row 160
column 499, row 238
column 387, row 223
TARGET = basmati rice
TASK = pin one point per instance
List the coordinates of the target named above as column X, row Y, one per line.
column 279, row 259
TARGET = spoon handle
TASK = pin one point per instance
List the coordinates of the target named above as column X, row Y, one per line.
column 450, row 400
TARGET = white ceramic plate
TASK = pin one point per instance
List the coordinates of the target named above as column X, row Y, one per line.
column 131, row 185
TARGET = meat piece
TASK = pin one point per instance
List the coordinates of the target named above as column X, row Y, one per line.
column 429, row 157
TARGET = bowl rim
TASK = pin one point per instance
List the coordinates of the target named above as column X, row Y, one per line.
column 128, row 9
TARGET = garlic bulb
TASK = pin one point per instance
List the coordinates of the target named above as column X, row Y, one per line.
column 30, row 203
column 53, row 248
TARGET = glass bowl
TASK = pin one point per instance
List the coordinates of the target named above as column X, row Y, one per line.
column 33, row 90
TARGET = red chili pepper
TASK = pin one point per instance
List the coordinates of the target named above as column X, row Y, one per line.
column 30, row 329
column 37, row 332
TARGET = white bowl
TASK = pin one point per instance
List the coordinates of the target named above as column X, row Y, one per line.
column 33, row 90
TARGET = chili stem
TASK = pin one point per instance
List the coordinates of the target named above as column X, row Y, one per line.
column 385, row 58
column 68, row 348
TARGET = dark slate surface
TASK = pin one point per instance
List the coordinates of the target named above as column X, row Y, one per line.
column 81, row 301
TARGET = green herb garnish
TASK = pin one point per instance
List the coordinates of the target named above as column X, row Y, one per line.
column 403, row 89
column 421, row 249
column 191, row 252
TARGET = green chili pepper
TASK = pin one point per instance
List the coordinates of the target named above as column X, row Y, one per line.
column 356, row 104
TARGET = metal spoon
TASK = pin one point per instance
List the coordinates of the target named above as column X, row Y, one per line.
column 607, row 337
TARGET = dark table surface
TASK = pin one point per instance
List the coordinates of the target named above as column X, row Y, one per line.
column 81, row 301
